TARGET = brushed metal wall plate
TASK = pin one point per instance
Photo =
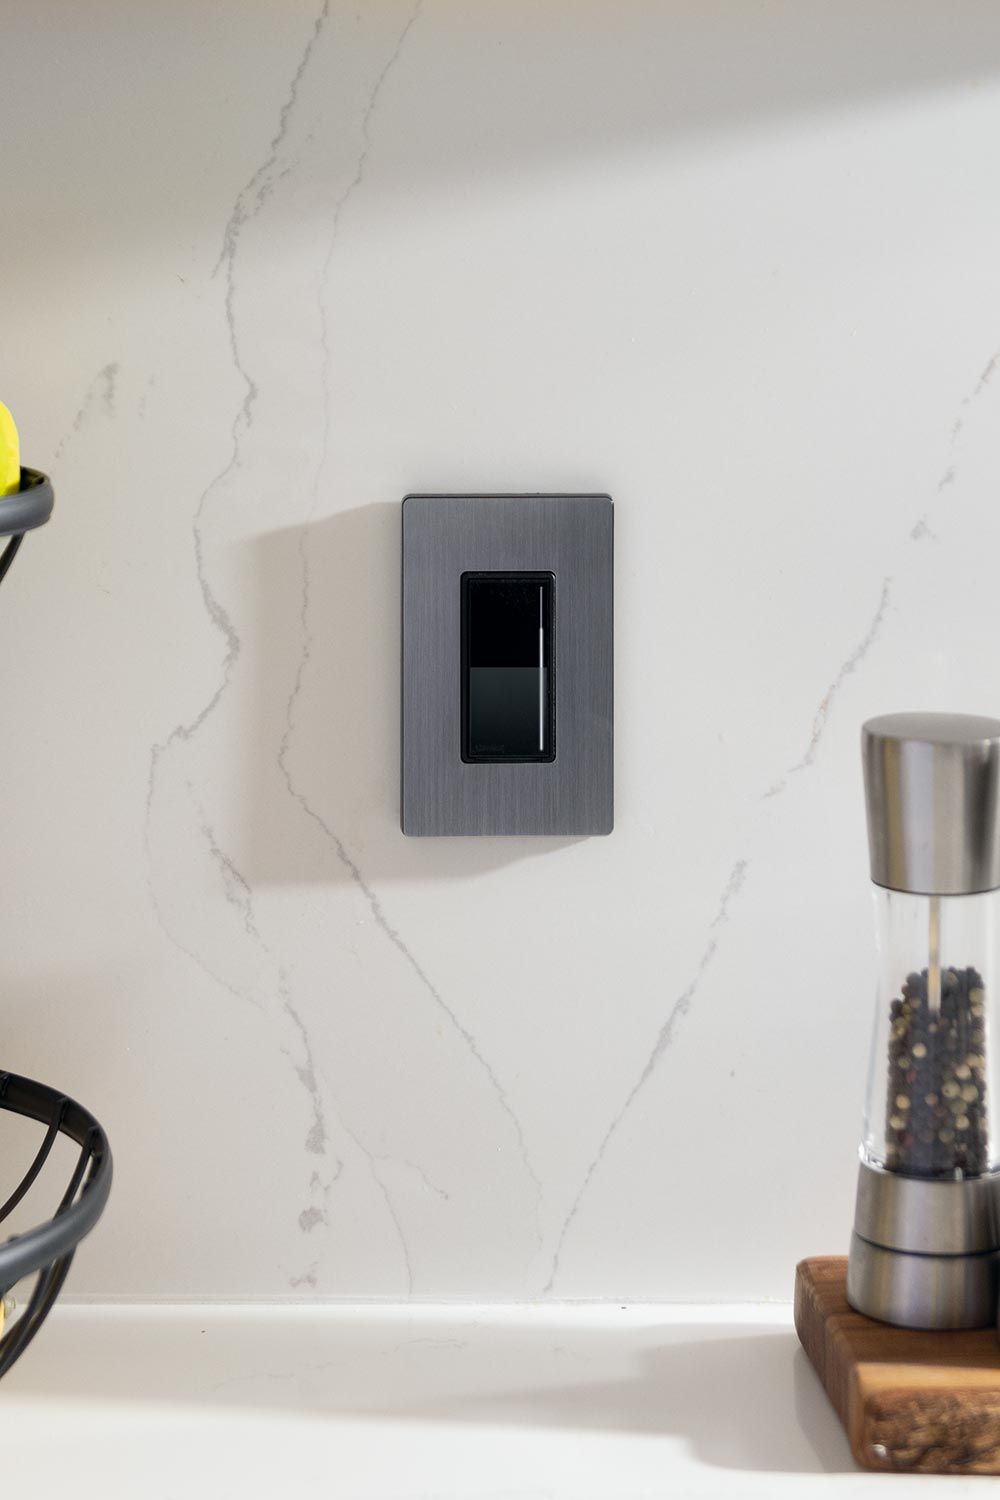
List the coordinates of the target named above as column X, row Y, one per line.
column 444, row 536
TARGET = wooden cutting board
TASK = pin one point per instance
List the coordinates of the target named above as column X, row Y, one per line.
column 910, row 1402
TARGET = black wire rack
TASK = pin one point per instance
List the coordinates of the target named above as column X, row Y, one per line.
column 45, row 1252
column 28, row 508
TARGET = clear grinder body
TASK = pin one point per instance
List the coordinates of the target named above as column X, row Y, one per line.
column 933, row 1071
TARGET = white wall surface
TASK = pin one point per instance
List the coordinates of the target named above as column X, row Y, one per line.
column 267, row 266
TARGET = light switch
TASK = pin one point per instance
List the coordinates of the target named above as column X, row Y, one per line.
column 508, row 678
column 507, row 654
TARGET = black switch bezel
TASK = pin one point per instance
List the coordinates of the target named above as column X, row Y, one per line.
column 493, row 758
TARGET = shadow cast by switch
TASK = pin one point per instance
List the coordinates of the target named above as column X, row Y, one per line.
column 319, row 746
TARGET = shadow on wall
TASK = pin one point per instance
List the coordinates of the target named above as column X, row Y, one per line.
column 590, row 80
column 319, row 742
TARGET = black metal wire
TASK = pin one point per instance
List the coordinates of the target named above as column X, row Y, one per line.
column 46, row 1290
column 29, row 506
column 9, row 553
column 82, row 1164
column 48, row 1249
column 36, row 1166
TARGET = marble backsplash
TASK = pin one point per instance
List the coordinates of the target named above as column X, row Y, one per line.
column 268, row 266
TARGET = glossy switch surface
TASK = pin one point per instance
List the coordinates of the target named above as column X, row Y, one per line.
column 508, row 698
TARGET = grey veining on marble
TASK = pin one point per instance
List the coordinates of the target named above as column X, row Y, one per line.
column 723, row 270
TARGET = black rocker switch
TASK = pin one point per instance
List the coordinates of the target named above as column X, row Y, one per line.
column 508, row 667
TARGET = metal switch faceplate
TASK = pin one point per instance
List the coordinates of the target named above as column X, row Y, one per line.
column 507, row 663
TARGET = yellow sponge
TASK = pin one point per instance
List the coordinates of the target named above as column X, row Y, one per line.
column 10, row 454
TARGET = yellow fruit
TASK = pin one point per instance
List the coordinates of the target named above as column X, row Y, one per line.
column 10, row 454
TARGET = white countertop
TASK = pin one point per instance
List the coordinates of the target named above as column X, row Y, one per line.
column 509, row 1403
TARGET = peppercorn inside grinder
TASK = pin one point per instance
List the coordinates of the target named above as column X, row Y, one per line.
column 924, row 1253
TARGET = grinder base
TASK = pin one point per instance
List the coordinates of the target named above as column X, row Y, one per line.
column 923, row 1291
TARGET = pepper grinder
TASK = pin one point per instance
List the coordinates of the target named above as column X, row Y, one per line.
column 924, row 1253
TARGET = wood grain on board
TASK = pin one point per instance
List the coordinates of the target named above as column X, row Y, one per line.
column 909, row 1401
